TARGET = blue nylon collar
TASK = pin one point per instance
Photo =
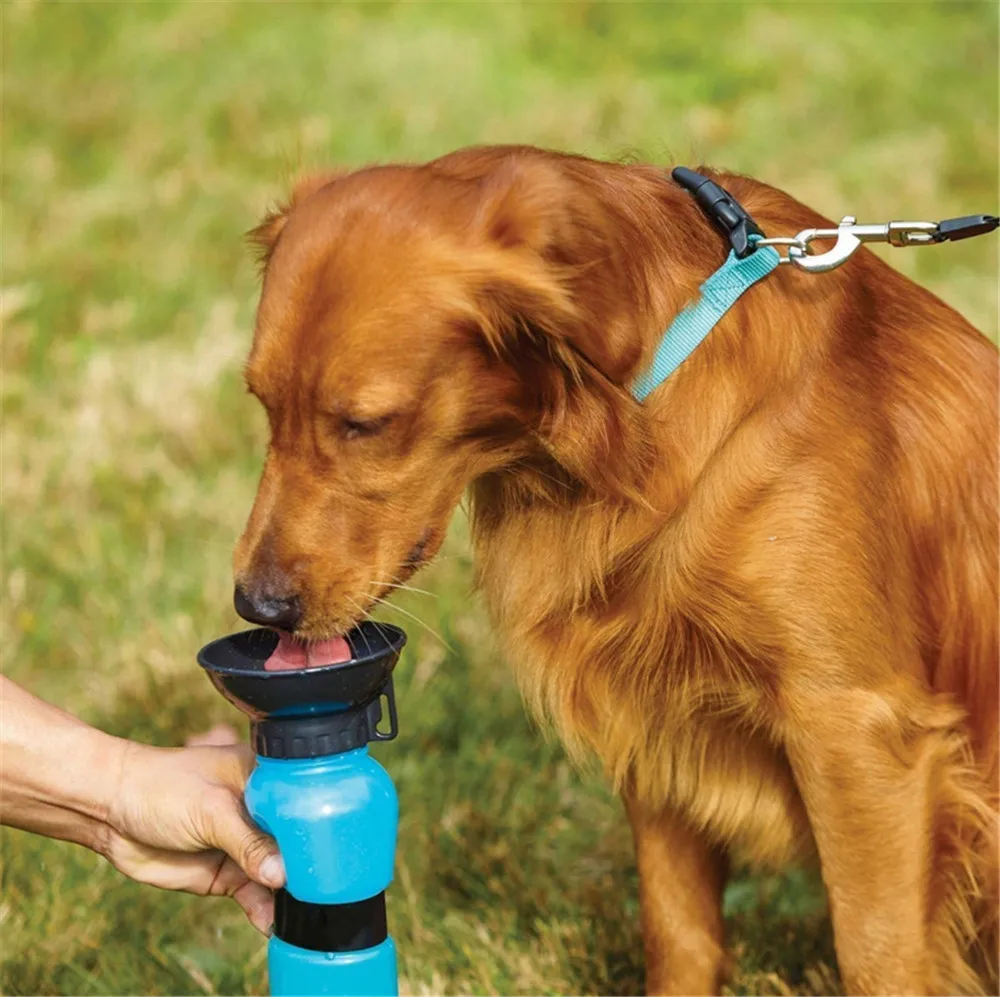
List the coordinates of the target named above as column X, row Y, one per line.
column 718, row 294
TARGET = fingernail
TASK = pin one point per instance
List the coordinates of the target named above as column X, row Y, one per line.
column 272, row 871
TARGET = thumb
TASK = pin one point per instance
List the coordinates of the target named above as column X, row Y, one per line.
column 255, row 852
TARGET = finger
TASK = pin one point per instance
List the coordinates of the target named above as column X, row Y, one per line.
column 253, row 851
column 218, row 736
column 205, row 873
column 194, row 872
column 229, row 877
column 258, row 904
column 237, row 762
column 257, row 901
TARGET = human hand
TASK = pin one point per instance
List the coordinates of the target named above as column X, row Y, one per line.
column 170, row 817
column 177, row 820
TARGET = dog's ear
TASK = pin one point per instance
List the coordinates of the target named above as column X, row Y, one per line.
column 552, row 309
column 591, row 426
column 264, row 236
column 538, row 213
column 519, row 207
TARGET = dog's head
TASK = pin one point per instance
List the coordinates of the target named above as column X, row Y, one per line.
column 419, row 327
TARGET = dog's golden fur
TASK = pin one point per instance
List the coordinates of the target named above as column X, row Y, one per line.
column 766, row 599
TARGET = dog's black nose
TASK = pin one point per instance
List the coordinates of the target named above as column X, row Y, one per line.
column 283, row 612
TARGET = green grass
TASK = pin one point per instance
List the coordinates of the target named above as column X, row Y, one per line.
column 139, row 142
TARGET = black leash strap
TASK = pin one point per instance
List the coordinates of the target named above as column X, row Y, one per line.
column 956, row 229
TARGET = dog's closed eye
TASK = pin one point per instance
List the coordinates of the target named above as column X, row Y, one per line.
column 353, row 428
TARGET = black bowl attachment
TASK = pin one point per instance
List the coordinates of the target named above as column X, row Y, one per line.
column 304, row 713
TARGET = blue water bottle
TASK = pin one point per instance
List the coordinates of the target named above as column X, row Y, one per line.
column 330, row 806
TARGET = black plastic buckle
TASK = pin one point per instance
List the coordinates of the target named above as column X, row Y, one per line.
column 727, row 214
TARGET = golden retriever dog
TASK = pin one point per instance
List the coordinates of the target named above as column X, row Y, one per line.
column 766, row 598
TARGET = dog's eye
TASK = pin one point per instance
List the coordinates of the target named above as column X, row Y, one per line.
column 353, row 429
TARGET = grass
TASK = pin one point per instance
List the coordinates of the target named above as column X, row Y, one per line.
column 139, row 142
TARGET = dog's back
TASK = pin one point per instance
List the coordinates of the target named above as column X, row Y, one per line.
column 926, row 384
column 922, row 383
column 943, row 407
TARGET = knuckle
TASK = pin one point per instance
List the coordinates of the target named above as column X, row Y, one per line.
column 255, row 848
column 236, row 762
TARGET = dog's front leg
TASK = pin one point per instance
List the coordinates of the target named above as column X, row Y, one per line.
column 681, row 878
column 868, row 771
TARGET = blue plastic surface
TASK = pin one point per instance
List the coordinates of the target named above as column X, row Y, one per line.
column 334, row 819
column 298, row 972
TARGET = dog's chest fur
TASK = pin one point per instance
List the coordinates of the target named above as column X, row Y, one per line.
column 669, row 710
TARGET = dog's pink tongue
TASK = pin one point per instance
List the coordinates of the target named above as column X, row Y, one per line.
column 291, row 654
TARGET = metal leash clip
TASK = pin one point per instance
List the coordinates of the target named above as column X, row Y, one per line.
column 850, row 236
